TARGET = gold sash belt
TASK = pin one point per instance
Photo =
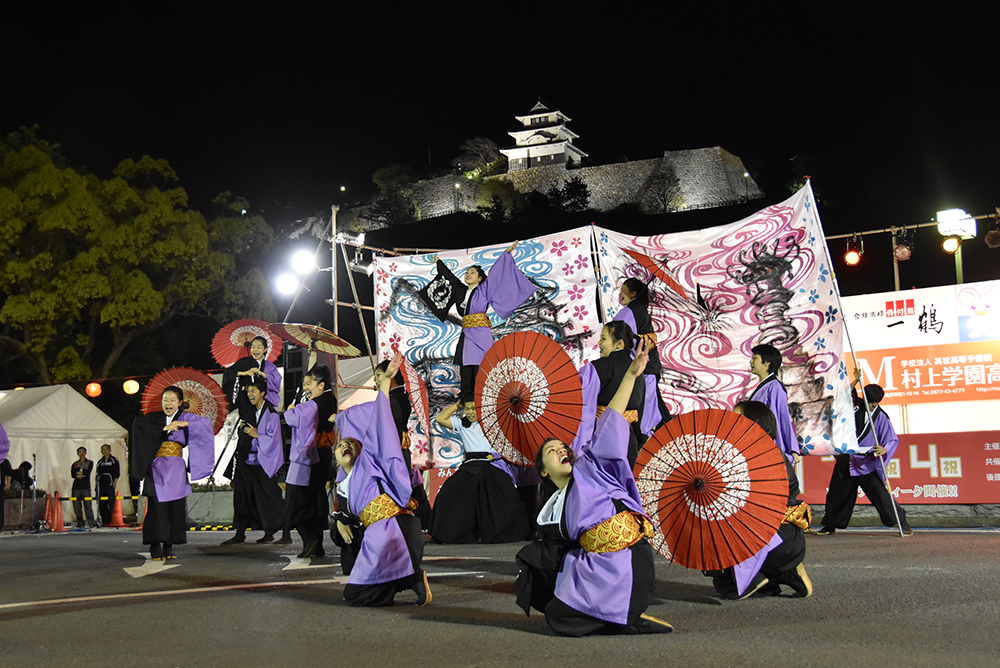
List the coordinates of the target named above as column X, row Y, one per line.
column 617, row 533
column 800, row 515
column 170, row 449
column 630, row 416
column 650, row 338
column 476, row 320
column 326, row 439
column 404, row 440
column 382, row 507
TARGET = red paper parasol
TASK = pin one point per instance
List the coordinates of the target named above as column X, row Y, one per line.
column 658, row 270
column 232, row 342
column 314, row 336
column 715, row 486
column 417, row 390
column 527, row 390
column 200, row 391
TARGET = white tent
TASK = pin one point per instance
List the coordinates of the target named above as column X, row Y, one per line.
column 46, row 425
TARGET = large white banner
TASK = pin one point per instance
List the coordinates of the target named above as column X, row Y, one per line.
column 764, row 279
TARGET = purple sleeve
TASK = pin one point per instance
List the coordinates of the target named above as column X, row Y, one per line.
column 273, row 395
column 628, row 317
column 353, row 422
column 303, row 419
column 777, row 400
column 270, row 454
column 381, row 443
column 887, row 437
column 506, row 287
column 4, row 444
column 588, row 418
column 201, row 445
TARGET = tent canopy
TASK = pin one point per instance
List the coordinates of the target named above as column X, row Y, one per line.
column 46, row 425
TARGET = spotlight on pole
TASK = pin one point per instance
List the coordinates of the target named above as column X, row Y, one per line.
column 361, row 267
column 351, row 238
column 951, row 244
column 855, row 249
column 903, row 250
column 303, row 262
column 287, row 284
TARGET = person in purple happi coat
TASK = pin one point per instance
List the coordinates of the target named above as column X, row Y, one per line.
column 157, row 459
column 592, row 572
column 764, row 363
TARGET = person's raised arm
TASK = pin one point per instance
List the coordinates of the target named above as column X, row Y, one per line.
column 620, row 401
column 390, row 373
column 444, row 417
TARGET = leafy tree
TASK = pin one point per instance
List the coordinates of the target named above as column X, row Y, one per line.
column 393, row 179
column 572, row 197
column 90, row 266
column 479, row 156
column 663, row 193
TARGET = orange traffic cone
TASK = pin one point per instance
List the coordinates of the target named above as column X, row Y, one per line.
column 117, row 521
column 48, row 511
column 57, row 519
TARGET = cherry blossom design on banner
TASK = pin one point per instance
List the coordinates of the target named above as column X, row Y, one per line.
column 563, row 309
column 764, row 279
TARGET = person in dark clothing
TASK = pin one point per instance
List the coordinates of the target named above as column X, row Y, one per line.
column 108, row 472
column 81, row 471
column 602, row 377
column 634, row 297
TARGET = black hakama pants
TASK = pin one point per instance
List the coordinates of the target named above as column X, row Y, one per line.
column 384, row 593
column 843, row 494
column 254, row 491
column 309, row 507
column 479, row 502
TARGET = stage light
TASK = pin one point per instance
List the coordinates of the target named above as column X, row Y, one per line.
column 130, row 386
column 956, row 222
column 855, row 249
column 951, row 244
column 93, row 390
column 287, row 284
column 367, row 268
column 303, row 262
column 903, row 250
column 351, row 238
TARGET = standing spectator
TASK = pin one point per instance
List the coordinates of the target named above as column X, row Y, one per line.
column 771, row 392
column 6, row 472
column 108, row 472
column 80, row 471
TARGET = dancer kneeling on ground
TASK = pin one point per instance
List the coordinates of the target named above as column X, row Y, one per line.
column 480, row 501
column 592, row 572
column 376, row 493
column 780, row 562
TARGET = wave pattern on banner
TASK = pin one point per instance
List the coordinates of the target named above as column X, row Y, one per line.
column 564, row 308
column 764, row 279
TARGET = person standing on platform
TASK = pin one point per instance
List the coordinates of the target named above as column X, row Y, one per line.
column 80, row 472
column 865, row 470
column 764, row 364
column 108, row 472
column 311, row 461
column 239, row 377
column 259, row 455
column 384, row 558
column 158, row 460
column 505, row 289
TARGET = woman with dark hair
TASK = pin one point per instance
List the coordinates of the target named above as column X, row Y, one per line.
column 592, row 571
column 505, row 289
column 382, row 545
column 601, row 379
column 634, row 297
column 780, row 562
column 157, row 459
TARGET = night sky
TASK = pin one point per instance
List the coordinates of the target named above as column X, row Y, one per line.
column 893, row 113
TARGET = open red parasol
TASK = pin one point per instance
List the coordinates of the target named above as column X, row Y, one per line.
column 715, row 486
column 417, row 390
column 202, row 393
column 527, row 390
column 314, row 336
column 658, row 270
column 232, row 342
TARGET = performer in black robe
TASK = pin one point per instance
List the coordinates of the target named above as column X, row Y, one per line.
column 602, row 377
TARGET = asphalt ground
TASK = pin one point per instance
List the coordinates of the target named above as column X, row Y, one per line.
column 92, row 597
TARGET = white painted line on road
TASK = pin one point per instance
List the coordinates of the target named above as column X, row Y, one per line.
column 297, row 564
column 149, row 567
column 173, row 592
column 448, row 574
column 426, row 558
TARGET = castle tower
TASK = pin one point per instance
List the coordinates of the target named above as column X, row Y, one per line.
column 544, row 140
